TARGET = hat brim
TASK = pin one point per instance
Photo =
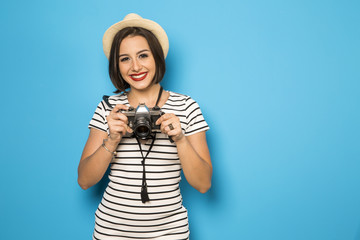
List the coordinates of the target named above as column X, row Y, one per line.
column 152, row 26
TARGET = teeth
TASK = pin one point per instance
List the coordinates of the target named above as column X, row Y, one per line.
column 138, row 76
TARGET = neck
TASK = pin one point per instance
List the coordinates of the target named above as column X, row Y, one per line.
column 147, row 96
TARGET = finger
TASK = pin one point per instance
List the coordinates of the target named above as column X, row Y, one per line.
column 119, row 107
column 117, row 123
column 120, row 116
column 129, row 129
column 172, row 128
column 119, row 129
column 117, row 116
column 164, row 124
column 174, row 132
column 172, row 121
column 159, row 121
column 165, row 117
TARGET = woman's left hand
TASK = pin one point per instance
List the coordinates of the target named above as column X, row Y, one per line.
column 170, row 125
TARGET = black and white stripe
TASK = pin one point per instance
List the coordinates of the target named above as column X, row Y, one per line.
column 121, row 214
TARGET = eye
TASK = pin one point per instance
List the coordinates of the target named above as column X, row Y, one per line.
column 143, row 55
column 124, row 59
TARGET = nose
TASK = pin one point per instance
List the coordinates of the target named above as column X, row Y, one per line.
column 136, row 65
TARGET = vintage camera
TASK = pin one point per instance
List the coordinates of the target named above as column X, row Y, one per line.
column 142, row 120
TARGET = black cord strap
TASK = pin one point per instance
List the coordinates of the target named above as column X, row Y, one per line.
column 159, row 96
column 144, row 193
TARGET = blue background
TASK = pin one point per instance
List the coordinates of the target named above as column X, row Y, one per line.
column 278, row 82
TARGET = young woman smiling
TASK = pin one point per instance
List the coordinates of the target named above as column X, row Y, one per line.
column 142, row 199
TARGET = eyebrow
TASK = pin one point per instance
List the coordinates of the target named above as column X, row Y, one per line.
column 139, row 52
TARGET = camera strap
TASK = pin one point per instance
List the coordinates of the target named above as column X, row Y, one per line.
column 144, row 193
column 159, row 96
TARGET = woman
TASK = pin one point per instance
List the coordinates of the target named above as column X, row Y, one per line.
column 142, row 199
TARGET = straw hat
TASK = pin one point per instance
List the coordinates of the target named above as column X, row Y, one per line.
column 134, row 20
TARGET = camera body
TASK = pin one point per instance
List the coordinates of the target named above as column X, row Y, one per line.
column 142, row 120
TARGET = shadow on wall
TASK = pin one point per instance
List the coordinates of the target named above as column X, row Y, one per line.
column 357, row 234
column 212, row 194
column 192, row 198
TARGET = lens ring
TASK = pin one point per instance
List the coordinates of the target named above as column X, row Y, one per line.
column 142, row 128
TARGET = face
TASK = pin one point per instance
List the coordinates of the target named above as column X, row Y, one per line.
column 136, row 62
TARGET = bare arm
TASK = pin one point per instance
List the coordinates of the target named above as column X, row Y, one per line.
column 95, row 158
column 195, row 160
column 193, row 153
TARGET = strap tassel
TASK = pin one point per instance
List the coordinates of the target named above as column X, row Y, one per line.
column 144, row 194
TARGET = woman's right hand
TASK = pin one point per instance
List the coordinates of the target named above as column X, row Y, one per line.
column 118, row 123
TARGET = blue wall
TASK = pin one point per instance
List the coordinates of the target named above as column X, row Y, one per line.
column 278, row 82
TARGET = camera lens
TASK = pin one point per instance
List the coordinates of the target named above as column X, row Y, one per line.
column 142, row 128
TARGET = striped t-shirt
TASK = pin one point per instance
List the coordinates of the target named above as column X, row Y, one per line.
column 121, row 213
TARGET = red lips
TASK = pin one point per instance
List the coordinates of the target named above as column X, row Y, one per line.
column 138, row 76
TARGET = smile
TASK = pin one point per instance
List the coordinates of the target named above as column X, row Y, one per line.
column 138, row 77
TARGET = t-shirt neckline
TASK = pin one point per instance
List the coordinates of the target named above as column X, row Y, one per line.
column 128, row 104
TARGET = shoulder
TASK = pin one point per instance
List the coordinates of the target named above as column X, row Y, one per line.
column 108, row 102
column 178, row 97
column 189, row 112
column 118, row 99
column 182, row 104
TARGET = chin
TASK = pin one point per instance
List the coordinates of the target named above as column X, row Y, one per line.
column 141, row 86
column 144, row 84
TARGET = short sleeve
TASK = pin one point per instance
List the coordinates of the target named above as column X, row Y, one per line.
column 98, row 120
column 195, row 119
